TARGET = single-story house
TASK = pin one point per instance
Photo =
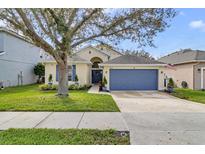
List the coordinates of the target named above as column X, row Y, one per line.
column 187, row 65
column 84, row 64
column 123, row 72
column 18, row 56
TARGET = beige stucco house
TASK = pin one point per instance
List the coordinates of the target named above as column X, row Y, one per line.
column 84, row 64
column 186, row 65
column 123, row 72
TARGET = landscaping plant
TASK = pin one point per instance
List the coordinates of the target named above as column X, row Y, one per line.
column 39, row 70
column 76, row 78
column 170, row 85
column 47, row 87
column 184, row 84
column 50, row 79
column 104, row 82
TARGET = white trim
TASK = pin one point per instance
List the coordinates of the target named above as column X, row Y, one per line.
column 202, row 77
column 131, row 65
column 191, row 61
column 70, row 62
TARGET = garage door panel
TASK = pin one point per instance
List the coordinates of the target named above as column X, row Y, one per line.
column 136, row 79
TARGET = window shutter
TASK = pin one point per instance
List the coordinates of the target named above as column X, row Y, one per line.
column 57, row 73
column 73, row 72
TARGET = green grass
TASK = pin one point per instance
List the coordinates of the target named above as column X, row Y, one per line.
column 62, row 137
column 30, row 98
column 188, row 94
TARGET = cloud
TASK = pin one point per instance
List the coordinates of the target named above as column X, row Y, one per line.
column 181, row 13
column 198, row 24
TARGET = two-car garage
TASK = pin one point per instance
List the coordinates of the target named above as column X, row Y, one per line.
column 133, row 79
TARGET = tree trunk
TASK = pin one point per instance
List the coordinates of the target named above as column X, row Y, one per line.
column 63, row 79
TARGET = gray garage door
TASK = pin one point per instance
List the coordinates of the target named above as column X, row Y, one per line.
column 133, row 79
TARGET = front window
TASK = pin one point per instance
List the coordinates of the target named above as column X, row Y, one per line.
column 95, row 62
column 95, row 65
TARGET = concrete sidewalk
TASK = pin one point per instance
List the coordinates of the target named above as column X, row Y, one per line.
column 95, row 90
column 90, row 120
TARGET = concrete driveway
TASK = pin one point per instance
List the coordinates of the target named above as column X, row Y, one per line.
column 158, row 118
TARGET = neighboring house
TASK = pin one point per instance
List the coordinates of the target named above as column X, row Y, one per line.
column 187, row 65
column 123, row 72
column 17, row 59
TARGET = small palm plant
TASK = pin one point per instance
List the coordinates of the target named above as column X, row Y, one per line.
column 50, row 79
column 170, row 85
column 104, row 82
column 76, row 78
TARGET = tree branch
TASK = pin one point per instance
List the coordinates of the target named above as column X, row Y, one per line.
column 31, row 32
column 84, row 20
column 47, row 32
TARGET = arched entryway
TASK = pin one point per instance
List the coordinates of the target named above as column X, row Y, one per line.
column 96, row 70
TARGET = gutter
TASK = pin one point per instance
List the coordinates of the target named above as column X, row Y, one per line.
column 191, row 61
column 73, row 62
column 124, row 65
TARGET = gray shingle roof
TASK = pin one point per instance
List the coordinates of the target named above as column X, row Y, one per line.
column 183, row 56
column 131, row 59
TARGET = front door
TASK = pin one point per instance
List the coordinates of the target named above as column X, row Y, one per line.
column 96, row 76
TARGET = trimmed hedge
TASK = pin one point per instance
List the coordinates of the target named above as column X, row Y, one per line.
column 47, row 87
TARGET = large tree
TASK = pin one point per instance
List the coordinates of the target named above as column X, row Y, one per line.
column 61, row 31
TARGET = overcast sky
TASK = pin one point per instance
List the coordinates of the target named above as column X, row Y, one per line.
column 187, row 30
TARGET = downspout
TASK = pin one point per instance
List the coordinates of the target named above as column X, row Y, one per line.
column 202, row 78
column 194, row 75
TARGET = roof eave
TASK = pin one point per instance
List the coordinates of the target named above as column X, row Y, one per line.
column 73, row 62
column 133, row 65
column 2, row 29
column 191, row 61
column 90, row 46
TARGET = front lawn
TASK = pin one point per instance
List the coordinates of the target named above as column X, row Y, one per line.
column 188, row 94
column 62, row 137
column 30, row 98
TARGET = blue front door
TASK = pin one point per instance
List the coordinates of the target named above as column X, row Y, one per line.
column 133, row 79
column 96, row 76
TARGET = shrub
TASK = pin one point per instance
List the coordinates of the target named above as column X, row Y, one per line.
column 73, row 87
column 104, row 82
column 39, row 70
column 184, row 84
column 78, row 87
column 54, row 87
column 50, row 78
column 76, row 78
column 170, row 83
column 47, row 87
